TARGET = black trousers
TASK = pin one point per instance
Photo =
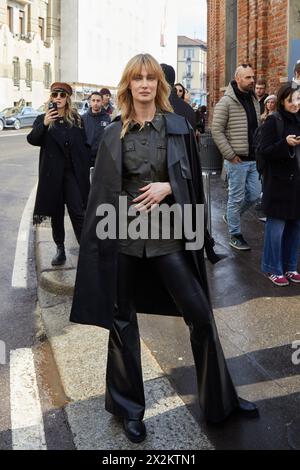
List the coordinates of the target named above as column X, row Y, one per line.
column 124, row 381
column 70, row 196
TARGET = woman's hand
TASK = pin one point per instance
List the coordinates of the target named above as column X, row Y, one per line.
column 293, row 140
column 50, row 116
column 152, row 195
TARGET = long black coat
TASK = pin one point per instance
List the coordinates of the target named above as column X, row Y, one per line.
column 52, row 163
column 95, row 289
column 182, row 108
column 281, row 178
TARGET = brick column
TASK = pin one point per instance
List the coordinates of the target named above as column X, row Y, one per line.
column 215, row 51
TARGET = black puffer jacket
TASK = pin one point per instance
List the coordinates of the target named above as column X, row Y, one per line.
column 281, row 181
column 94, row 124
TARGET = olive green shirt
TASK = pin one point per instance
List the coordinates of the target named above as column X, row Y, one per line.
column 145, row 161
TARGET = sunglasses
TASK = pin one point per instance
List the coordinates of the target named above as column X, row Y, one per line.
column 179, row 91
column 56, row 94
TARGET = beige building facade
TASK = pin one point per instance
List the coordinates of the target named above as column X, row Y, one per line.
column 29, row 50
column 42, row 41
column 192, row 67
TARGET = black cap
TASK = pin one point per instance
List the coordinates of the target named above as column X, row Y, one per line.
column 169, row 73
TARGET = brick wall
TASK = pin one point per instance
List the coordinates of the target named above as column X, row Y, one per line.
column 262, row 40
column 215, row 50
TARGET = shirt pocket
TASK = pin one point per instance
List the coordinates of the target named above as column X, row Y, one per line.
column 162, row 146
column 161, row 158
column 129, row 146
column 130, row 157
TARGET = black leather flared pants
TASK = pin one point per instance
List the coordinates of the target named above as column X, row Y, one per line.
column 124, row 381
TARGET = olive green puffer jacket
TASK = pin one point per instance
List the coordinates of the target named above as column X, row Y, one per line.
column 230, row 125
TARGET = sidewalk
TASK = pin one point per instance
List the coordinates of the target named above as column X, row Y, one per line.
column 257, row 323
column 80, row 354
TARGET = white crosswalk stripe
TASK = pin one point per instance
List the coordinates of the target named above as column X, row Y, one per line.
column 26, row 413
column 19, row 275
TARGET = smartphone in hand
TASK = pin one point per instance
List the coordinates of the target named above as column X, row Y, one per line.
column 52, row 106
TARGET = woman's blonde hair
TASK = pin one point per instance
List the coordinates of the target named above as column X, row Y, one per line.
column 124, row 96
column 71, row 115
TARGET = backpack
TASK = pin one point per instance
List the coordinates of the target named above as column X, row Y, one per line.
column 259, row 157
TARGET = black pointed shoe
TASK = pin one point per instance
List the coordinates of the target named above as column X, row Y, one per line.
column 247, row 409
column 135, row 430
column 60, row 258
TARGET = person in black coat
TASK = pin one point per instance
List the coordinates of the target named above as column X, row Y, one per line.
column 63, row 167
column 178, row 104
column 95, row 120
column 200, row 115
column 281, row 190
column 148, row 157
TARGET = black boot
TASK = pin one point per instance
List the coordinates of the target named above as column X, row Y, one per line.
column 247, row 409
column 60, row 258
column 135, row 430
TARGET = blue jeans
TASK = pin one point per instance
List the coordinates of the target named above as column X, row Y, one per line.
column 281, row 246
column 244, row 189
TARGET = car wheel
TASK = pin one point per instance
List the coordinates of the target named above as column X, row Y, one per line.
column 17, row 125
column 1, row 125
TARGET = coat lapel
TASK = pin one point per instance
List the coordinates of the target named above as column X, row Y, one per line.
column 176, row 128
column 114, row 144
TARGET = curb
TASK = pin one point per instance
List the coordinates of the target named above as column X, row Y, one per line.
column 58, row 280
column 80, row 354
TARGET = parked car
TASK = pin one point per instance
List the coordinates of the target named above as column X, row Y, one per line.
column 42, row 109
column 81, row 106
column 2, row 121
column 20, row 117
column 5, row 112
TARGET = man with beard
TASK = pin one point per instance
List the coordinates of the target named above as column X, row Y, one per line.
column 235, row 119
column 261, row 94
column 95, row 121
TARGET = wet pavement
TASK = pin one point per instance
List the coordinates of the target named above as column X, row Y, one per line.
column 19, row 330
column 257, row 323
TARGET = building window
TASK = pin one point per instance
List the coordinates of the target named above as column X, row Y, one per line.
column 16, row 72
column 231, row 39
column 42, row 28
column 21, row 22
column 47, row 75
column 29, row 74
column 189, row 53
column 203, row 81
column 10, row 15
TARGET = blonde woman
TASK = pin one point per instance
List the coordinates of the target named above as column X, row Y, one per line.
column 63, row 166
column 270, row 106
column 149, row 157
